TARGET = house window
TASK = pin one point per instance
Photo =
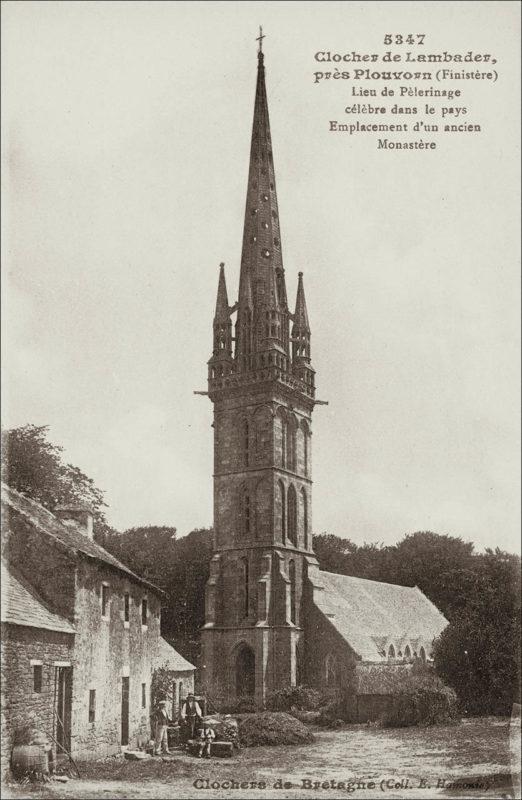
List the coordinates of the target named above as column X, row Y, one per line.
column 37, row 677
column 126, row 607
column 105, row 600
column 144, row 611
column 144, row 695
column 92, row 705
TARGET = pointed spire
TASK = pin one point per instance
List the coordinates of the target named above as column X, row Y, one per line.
column 222, row 308
column 222, row 348
column 301, row 323
column 301, row 327
column 262, row 273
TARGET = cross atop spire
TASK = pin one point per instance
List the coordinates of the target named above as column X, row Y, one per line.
column 260, row 38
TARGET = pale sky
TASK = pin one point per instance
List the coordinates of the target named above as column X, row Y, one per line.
column 126, row 133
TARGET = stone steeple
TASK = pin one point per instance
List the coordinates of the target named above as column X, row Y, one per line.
column 261, row 258
column 262, row 326
column 262, row 390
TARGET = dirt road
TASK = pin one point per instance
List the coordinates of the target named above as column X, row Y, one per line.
column 468, row 760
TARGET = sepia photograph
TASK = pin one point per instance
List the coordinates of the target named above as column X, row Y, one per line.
column 260, row 399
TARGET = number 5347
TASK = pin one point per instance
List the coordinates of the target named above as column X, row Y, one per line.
column 410, row 38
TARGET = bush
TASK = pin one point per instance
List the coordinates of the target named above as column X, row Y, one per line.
column 302, row 698
column 235, row 705
column 272, row 728
column 423, row 700
column 330, row 714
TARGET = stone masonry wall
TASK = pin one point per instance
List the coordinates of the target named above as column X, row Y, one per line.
column 107, row 650
column 20, row 703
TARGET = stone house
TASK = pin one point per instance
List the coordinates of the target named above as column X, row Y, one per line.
column 272, row 617
column 37, row 646
column 115, row 618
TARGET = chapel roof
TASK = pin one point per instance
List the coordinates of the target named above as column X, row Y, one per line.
column 21, row 507
column 22, row 606
column 371, row 614
column 170, row 657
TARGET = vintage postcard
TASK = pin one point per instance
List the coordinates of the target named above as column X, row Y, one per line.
column 261, row 418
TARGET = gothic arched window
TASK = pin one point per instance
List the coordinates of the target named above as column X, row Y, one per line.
column 246, row 516
column 246, row 441
column 391, row 651
column 304, row 428
column 291, row 445
column 305, row 518
column 284, row 441
column 292, row 516
column 422, row 653
column 330, row 670
column 246, row 587
column 293, row 607
column 407, row 651
column 282, row 503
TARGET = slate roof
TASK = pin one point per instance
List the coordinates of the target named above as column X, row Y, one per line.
column 44, row 521
column 175, row 661
column 22, row 606
column 371, row 614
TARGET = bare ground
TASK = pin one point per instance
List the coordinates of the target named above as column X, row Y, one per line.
column 468, row 760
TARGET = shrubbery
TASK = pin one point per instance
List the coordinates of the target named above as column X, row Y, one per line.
column 423, row 699
column 303, row 698
column 234, row 705
column 272, row 728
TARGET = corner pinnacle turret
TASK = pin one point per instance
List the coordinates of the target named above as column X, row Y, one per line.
column 222, row 348
column 301, row 326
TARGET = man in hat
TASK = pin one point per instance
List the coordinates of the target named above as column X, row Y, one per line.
column 161, row 719
column 191, row 716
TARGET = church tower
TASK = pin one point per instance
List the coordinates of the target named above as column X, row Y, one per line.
column 261, row 383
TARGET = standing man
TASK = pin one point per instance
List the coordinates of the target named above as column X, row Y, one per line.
column 161, row 719
column 191, row 716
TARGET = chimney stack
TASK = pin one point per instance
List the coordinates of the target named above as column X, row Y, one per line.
column 76, row 516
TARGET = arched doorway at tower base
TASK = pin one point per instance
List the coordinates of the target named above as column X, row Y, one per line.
column 244, row 671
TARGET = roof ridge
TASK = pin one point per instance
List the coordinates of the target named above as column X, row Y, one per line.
column 371, row 580
column 73, row 547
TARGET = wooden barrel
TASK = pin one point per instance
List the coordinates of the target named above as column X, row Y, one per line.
column 27, row 758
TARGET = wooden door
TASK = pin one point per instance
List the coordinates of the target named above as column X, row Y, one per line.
column 125, row 711
column 63, row 682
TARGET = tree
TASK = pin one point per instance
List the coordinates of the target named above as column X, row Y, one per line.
column 478, row 654
column 34, row 466
column 332, row 552
column 149, row 550
column 430, row 561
